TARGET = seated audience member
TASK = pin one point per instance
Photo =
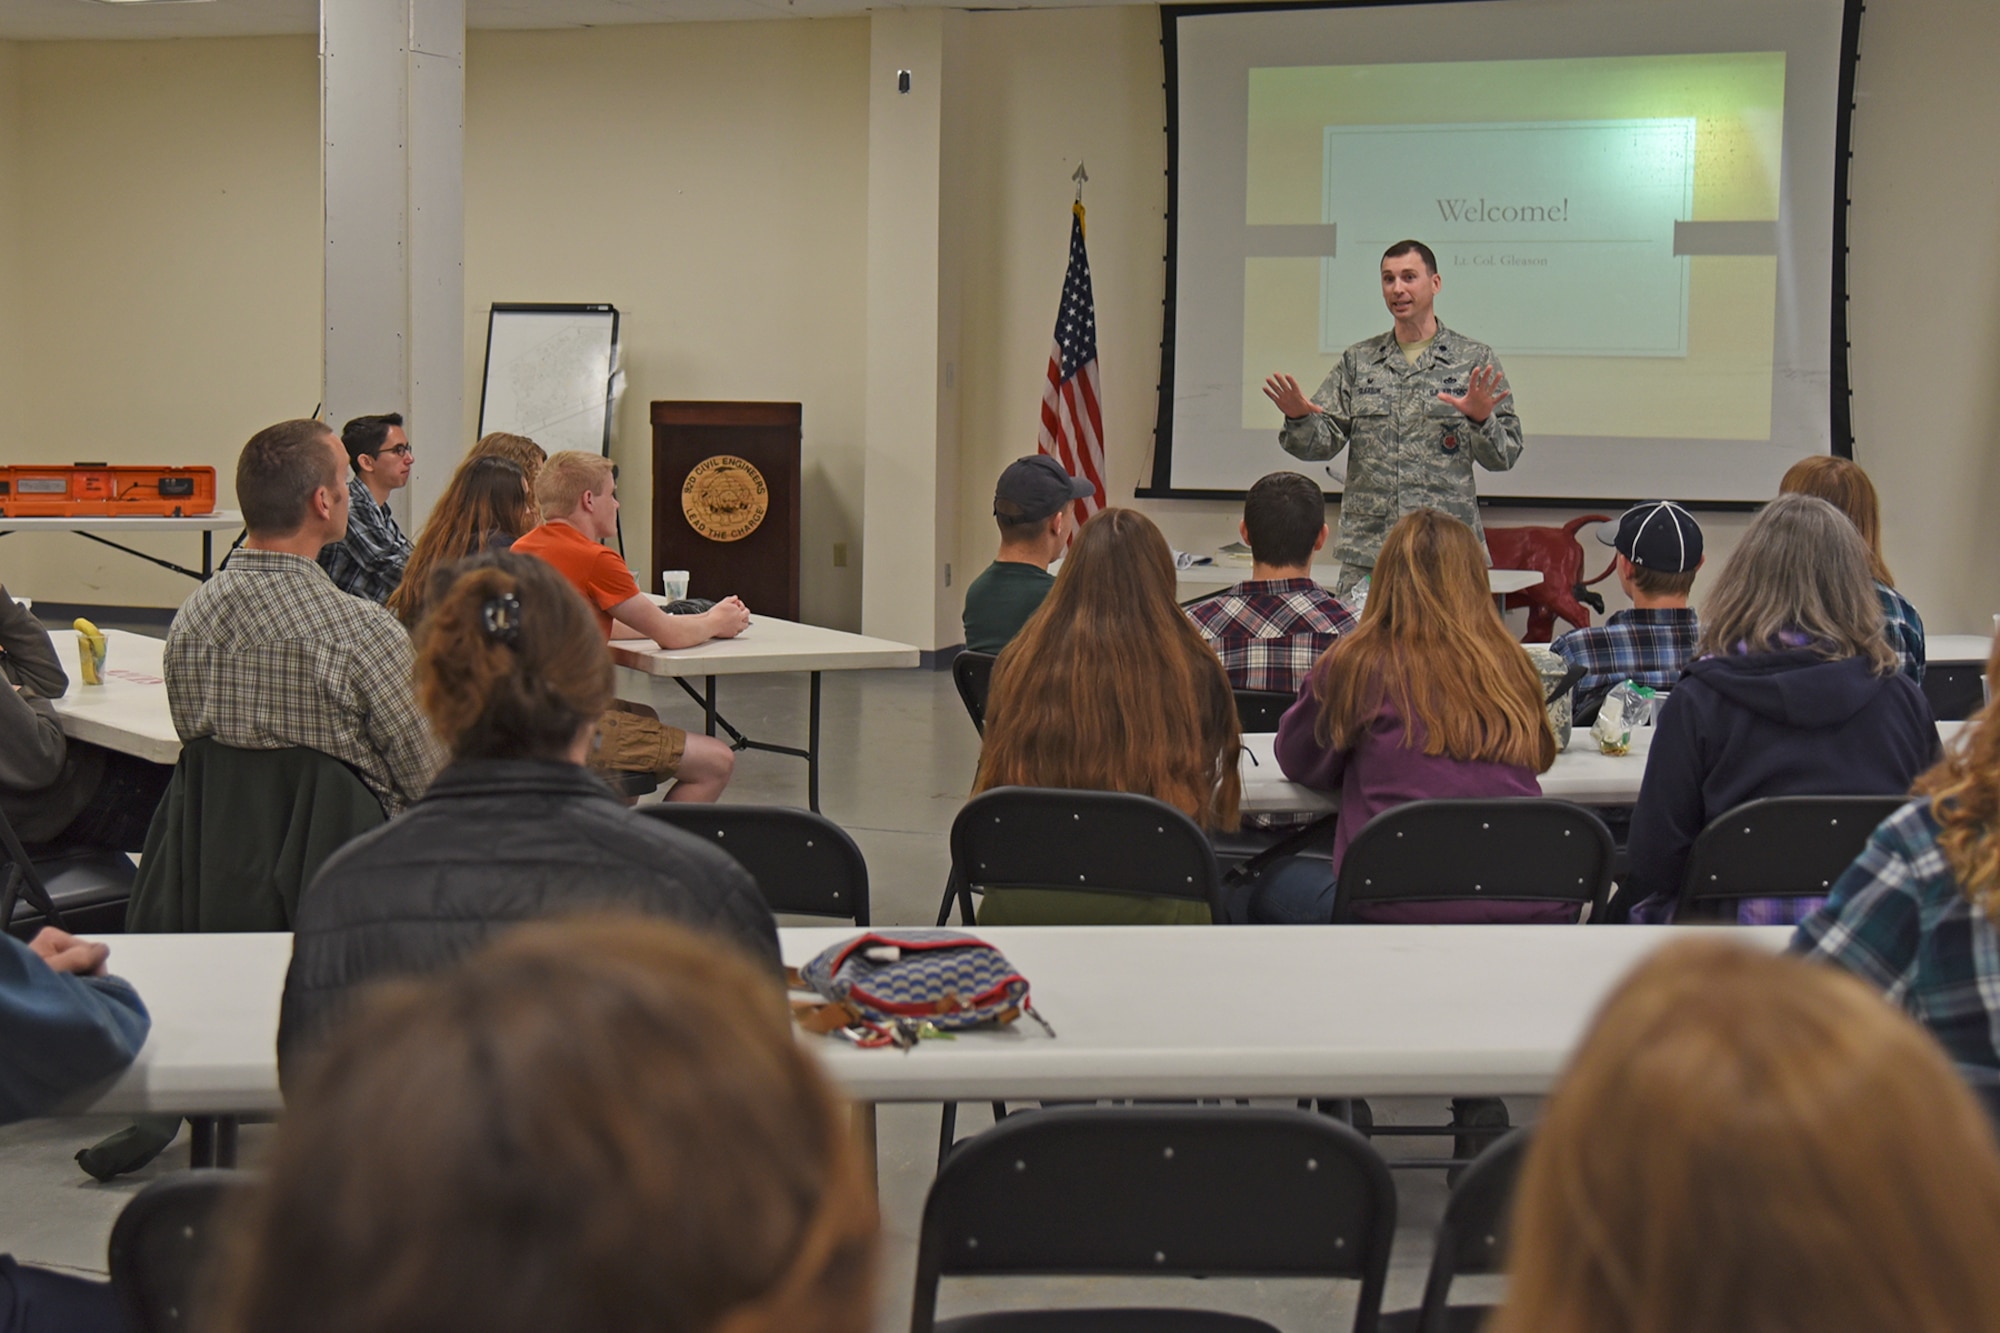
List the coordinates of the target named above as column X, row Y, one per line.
column 513, row 675
column 519, row 450
column 1109, row 688
column 1745, row 1142
column 1271, row 628
column 368, row 561
column 485, row 507
column 1428, row 698
column 592, row 1125
column 1795, row 693
column 59, row 793
column 1914, row 915
column 1031, row 505
column 1841, row 483
column 1659, row 550
column 579, row 499
column 67, row 1026
column 269, row 654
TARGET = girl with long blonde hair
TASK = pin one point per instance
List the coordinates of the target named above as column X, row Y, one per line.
column 1429, row 698
column 1109, row 687
column 1915, row 914
column 1750, row 1142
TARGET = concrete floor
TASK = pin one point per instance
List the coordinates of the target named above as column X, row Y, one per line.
column 900, row 756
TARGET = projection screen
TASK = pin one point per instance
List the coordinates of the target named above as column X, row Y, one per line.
column 1636, row 202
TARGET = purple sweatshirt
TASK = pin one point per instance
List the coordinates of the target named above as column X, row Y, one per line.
column 1379, row 772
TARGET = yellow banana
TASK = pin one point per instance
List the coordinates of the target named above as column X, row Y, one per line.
column 90, row 645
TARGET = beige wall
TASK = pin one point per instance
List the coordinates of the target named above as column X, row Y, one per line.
column 711, row 181
column 159, row 224
column 167, row 225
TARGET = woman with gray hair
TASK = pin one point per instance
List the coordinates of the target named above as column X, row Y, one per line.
column 1793, row 692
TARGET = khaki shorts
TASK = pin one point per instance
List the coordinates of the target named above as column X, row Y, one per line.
column 632, row 741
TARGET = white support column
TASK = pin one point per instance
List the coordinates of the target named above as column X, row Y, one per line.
column 392, row 97
column 909, row 516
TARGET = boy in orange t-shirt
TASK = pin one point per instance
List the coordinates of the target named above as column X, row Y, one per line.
column 579, row 498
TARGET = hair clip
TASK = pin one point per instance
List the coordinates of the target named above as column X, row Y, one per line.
column 501, row 618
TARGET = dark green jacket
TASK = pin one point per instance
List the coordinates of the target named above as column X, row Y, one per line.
column 240, row 833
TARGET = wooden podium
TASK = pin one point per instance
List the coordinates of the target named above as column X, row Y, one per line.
column 726, row 501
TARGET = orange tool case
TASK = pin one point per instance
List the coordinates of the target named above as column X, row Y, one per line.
column 95, row 490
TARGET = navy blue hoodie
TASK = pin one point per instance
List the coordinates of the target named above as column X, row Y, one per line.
column 1741, row 727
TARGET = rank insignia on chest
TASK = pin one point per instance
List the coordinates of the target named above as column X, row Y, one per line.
column 1451, row 444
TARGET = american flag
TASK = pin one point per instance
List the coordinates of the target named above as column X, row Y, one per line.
column 1072, row 421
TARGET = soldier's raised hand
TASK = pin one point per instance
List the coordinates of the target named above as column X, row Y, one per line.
column 1283, row 390
column 1480, row 397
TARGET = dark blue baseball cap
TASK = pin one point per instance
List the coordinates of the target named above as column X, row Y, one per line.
column 1036, row 487
column 1657, row 535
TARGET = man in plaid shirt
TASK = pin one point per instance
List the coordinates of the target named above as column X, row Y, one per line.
column 1271, row 628
column 368, row 561
column 269, row 654
column 1659, row 551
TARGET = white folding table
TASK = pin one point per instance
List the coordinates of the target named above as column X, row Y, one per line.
column 1957, row 649
column 768, row 645
column 1582, row 773
column 1207, row 578
column 1138, row 1011
column 128, row 712
column 222, row 520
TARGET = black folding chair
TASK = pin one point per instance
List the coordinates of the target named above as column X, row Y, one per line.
column 1512, row 849
column 160, row 1242
column 1160, row 1190
column 1779, row 847
column 1472, row 1239
column 1259, row 710
column 803, row 863
column 1085, row 841
column 21, row 880
column 973, row 674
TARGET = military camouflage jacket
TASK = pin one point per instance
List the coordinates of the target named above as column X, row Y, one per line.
column 1409, row 448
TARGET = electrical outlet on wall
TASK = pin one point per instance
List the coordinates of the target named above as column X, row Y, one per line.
column 947, row 574
column 840, row 555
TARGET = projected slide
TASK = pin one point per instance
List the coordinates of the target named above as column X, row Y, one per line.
column 1643, row 236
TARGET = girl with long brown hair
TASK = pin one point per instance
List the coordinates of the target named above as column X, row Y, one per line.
column 485, row 506
column 1842, row 483
column 1749, row 1142
column 1795, row 693
column 1109, row 687
column 1915, row 914
column 596, row 1124
column 1429, row 698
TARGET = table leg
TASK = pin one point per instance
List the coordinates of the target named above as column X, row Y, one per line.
column 708, row 705
column 207, row 554
column 225, row 1141
column 201, row 1140
column 812, row 748
column 861, row 1123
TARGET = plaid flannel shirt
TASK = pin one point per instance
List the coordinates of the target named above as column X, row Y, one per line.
column 1904, row 629
column 1899, row 920
column 369, row 562
column 269, row 654
column 1269, row 632
column 1649, row 647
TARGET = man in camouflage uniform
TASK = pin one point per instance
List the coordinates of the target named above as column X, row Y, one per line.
column 1418, row 405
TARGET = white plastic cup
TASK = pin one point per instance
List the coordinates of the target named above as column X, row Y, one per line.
column 674, row 584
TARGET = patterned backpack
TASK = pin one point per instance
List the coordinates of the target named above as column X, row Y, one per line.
column 890, row 989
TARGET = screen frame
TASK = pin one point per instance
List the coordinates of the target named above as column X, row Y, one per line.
column 1159, row 481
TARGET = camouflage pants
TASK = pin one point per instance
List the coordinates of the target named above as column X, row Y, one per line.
column 1350, row 579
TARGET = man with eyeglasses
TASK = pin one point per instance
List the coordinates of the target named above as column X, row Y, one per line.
column 369, row 561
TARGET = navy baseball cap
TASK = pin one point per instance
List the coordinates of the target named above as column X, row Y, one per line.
column 1037, row 486
column 1657, row 535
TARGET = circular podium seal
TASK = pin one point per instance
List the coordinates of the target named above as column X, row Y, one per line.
column 724, row 498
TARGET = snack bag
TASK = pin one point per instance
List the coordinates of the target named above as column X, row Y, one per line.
column 90, row 646
column 1628, row 705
